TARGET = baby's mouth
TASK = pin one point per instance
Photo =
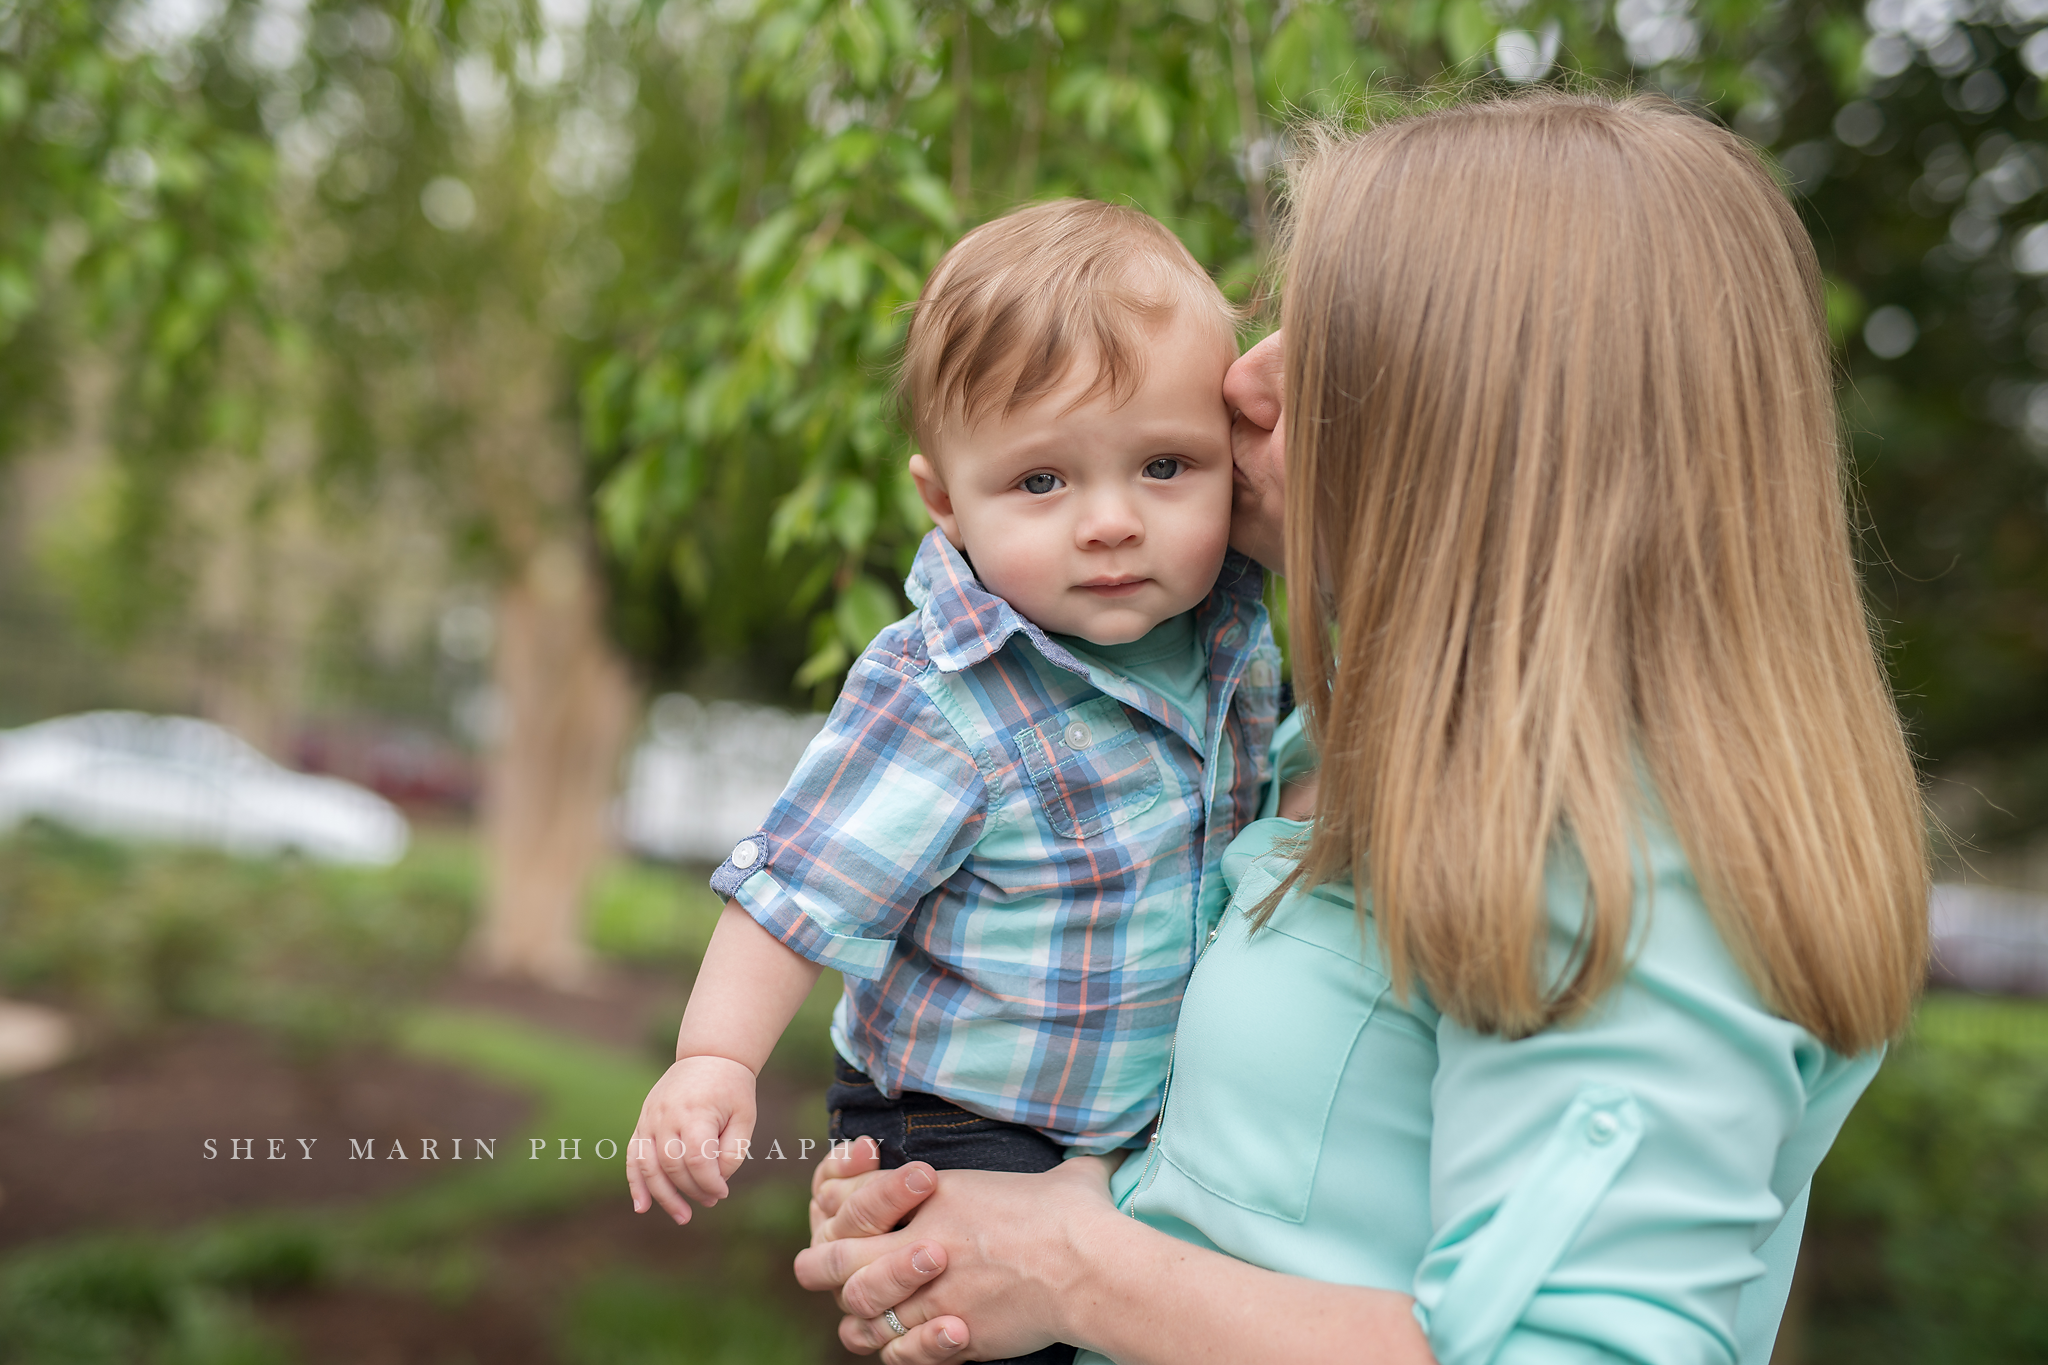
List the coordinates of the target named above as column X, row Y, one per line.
column 1113, row 587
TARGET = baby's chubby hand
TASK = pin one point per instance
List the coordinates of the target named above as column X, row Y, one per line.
column 693, row 1134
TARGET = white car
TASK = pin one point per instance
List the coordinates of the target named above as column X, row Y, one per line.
column 706, row 775
column 172, row 779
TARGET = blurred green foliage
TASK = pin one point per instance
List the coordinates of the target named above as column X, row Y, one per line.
column 708, row 217
column 645, row 912
column 628, row 1318
column 120, row 1301
column 862, row 139
column 143, row 934
column 132, row 200
column 1928, row 1235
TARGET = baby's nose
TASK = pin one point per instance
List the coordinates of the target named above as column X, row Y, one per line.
column 1109, row 522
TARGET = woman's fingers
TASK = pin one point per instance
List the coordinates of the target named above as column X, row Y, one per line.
column 892, row 1279
column 938, row 1342
column 941, row 1341
column 843, row 1162
column 827, row 1266
column 877, row 1204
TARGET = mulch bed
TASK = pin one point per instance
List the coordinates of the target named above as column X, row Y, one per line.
column 118, row 1138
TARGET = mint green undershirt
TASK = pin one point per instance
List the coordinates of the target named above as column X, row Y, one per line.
column 1168, row 659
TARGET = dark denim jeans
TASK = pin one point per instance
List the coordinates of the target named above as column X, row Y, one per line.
column 920, row 1127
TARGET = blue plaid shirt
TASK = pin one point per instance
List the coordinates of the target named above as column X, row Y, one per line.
column 1014, row 857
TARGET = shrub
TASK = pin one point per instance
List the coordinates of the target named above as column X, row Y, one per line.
column 124, row 1301
column 1928, row 1238
column 141, row 934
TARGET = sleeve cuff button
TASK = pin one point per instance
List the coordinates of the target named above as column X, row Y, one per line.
column 745, row 854
column 1601, row 1128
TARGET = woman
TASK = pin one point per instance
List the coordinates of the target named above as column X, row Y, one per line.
column 1607, row 754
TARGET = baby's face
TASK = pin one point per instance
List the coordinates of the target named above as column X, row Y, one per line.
column 1099, row 520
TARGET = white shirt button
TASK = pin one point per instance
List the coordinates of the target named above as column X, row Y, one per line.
column 1601, row 1128
column 1260, row 674
column 1079, row 736
column 745, row 854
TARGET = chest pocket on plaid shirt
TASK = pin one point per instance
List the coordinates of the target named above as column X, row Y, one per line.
column 1091, row 768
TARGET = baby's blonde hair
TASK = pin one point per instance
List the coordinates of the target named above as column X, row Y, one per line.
column 1566, row 511
column 1016, row 302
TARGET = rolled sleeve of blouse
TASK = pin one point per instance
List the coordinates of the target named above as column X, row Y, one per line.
column 1621, row 1186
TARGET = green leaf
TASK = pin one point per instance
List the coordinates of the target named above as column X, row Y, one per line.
column 17, row 296
column 860, row 43
column 818, row 164
column 1312, row 61
column 829, row 661
column 793, row 328
column 850, row 514
column 13, row 97
column 622, row 502
column 924, row 192
column 1150, row 123
column 841, row 274
column 1845, row 308
column 1468, row 30
column 766, row 242
column 863, row 610
column 1840, row 39
column 690, row 570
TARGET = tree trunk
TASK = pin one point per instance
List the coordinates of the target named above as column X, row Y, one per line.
column 565, row 710
column 565, row 701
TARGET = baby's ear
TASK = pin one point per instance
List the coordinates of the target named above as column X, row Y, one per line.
column 937, row 501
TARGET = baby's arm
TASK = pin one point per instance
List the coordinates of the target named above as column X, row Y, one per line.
column 698, row 1119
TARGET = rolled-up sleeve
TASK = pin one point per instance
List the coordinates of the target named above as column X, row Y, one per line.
column 1601, row 1191
column 883, row 807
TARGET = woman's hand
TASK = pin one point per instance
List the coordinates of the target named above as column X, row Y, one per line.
column 854, row 1207
column 1258, row 511
column 1008, row 1245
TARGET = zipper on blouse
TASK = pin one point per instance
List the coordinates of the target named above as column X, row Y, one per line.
column 1165, row 1093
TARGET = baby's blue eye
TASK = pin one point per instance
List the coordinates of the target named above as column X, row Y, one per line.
column 1040, row 483
column 1162, row 469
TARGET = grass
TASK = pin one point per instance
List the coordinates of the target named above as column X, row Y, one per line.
column 631, row 1318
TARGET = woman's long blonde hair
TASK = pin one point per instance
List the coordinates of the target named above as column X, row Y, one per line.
column 1565, row 487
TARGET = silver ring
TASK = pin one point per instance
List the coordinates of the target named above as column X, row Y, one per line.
column 889, row 1316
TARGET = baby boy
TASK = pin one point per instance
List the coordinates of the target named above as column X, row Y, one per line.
column 1007, row 835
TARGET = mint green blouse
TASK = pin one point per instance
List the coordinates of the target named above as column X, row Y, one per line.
column 1629, row 1187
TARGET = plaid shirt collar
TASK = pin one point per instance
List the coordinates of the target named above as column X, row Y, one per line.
column 965, row 624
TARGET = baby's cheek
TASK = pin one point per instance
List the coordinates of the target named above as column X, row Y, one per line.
column 1020, row 570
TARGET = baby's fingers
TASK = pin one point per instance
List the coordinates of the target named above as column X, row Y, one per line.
column 650, row 1182
column 735, row 1143
column 697, row 1168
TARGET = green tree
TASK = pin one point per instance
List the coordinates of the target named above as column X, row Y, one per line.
column 1921, row 158
column 638, row 269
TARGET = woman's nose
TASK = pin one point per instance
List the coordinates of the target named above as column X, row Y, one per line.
column 1253, row 385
